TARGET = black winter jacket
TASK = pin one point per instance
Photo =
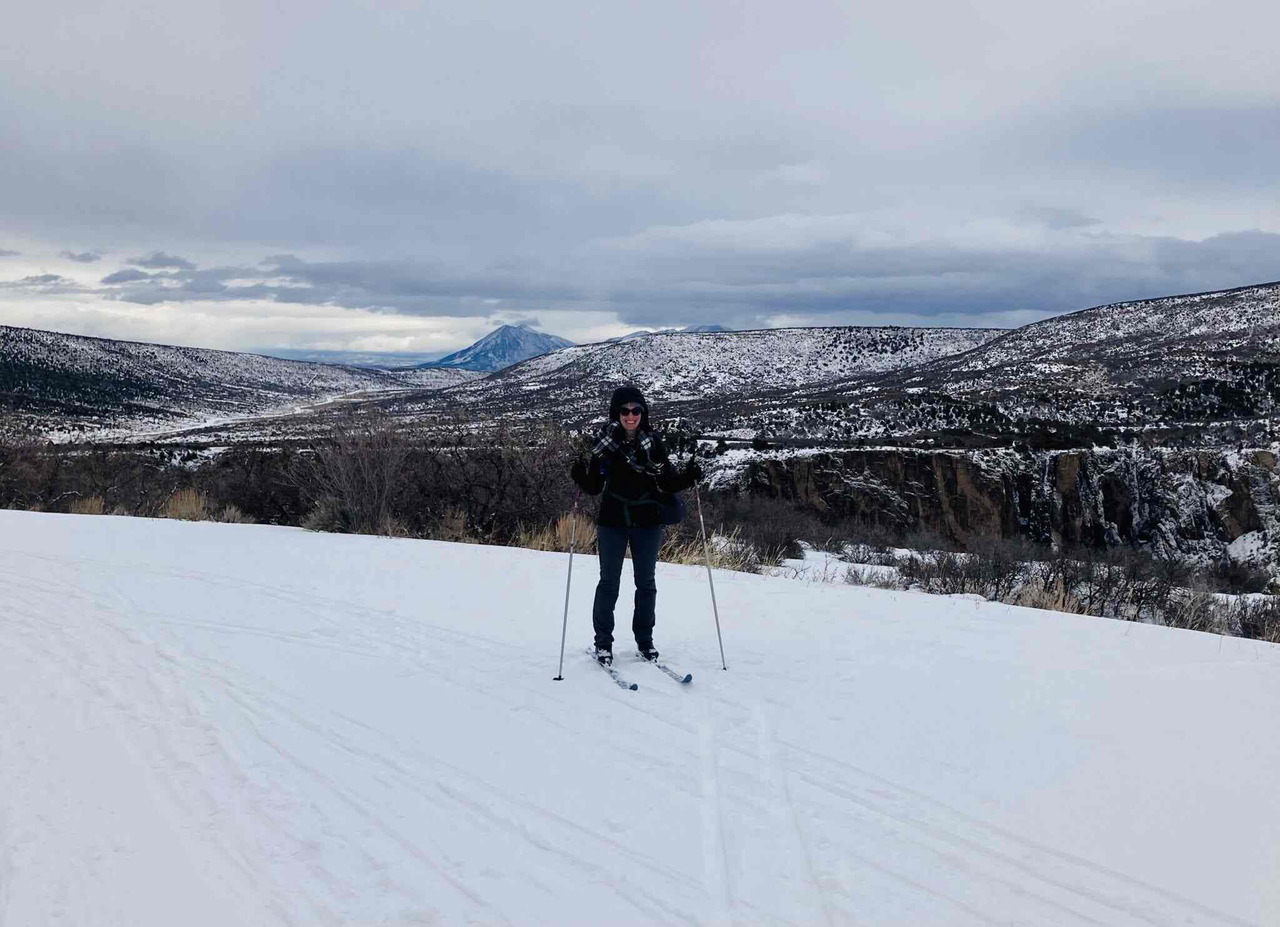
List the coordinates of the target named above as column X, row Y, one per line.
column 627, row 492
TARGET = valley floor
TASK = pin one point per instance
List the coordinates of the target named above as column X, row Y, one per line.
column 226, row 724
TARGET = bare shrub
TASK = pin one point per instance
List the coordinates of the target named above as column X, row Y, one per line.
column 94, row 505
column 257, row 482
column 1236, row 578
column 232, row 515
column 351, row 479
column 943, row 572
column 186, row 505
column 28, row 473
column 774, row 527
column 862, row 552
column 1002, row 567
column 868, row 576
column 1055, row 597
column 1257, row 618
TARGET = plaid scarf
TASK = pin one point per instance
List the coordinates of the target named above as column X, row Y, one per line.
column 635, row 453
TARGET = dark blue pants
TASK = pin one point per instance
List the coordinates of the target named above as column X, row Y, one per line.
column 644, row 560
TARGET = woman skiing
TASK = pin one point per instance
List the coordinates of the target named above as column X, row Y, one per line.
column 630, row 466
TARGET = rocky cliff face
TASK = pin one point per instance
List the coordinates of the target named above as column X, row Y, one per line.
column 1207, row 503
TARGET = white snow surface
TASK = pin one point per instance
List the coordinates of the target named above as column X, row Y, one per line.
column 206, row 724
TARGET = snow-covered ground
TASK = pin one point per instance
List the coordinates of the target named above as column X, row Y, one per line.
column 225, row 724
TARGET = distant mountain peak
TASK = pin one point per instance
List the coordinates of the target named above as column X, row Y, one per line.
column 502, row 347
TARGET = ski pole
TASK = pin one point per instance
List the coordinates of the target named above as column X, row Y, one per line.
column 573, row 531
column 707, row 553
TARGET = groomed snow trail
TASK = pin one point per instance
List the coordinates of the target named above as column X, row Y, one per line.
column 219, row 724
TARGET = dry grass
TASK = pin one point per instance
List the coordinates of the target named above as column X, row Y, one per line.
column 186, row 505
column 726, row 552
column 1196, row 610
column 94, row 505
column 557, row 535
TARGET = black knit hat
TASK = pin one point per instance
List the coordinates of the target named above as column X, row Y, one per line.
column 624, row 394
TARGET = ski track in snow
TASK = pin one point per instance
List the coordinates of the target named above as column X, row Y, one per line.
column 209, row 724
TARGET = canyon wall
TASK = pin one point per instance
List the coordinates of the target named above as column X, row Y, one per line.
column 1207, row 503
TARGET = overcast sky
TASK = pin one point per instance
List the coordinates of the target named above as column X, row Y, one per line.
column 403, row 176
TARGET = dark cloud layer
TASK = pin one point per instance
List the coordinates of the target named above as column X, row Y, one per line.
column 668, row 283
column 158, row 260
column 84, row 257
column 6, row 253
column 128, row 275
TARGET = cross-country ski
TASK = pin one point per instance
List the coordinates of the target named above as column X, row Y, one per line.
column 683, row 678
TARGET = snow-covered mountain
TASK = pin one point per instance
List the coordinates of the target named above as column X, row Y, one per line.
column 205, row 724
column 1207, row 362
column 71, row 385
column 716, row 367
column 501, row 348
column 1194, row 370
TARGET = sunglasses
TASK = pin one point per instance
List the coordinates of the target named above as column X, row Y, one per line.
column 629, row 410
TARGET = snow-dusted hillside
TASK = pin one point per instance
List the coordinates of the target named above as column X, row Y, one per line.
column 645, row 333
column 210, row 724
column 93, row 386
column 712, row 366
column 501, row 348
column 1181, row 362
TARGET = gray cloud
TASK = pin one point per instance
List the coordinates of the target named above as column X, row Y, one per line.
column 84, row 257
column 746, row 277
column 6, row 253
column 158, row 260
column 128, row 275
column 44, row 283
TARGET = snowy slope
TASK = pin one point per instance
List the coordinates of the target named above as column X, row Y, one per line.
column 107, row 388
column 208, row 724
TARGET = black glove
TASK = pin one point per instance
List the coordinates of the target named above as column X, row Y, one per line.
column 578, row 472
column 692, row 472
